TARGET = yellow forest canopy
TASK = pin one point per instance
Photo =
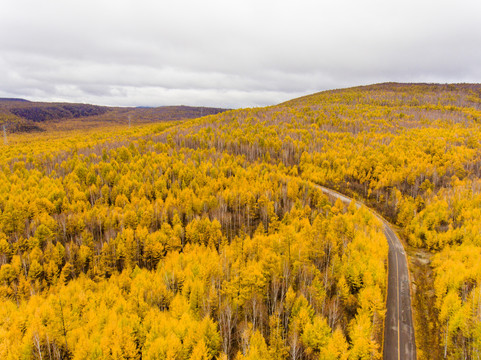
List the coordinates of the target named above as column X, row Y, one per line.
column 211, row 228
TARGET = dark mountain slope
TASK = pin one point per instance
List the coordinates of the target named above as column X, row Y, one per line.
column 24, row 116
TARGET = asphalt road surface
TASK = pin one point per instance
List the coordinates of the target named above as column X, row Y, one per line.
column 398, row 326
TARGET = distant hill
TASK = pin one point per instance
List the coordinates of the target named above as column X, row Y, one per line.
column 13, row 99
column 41, row 113
column 398, row 94
column 26, row 116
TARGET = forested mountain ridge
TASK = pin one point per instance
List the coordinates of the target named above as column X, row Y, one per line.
column 210, row 226
column 21, row 115
column 410, row 150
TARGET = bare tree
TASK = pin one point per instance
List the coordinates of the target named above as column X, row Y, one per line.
column 5, row 139
column 37, row 344
column 294, row 345
column 227, row 321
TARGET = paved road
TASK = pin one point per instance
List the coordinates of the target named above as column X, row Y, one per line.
column 398, row 326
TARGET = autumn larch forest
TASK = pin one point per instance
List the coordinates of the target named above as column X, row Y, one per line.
column 200, row 233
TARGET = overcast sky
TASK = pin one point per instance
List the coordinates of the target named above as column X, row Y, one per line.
column 229, row 53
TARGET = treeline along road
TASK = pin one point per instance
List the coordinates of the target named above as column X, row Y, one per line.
column 399, row 340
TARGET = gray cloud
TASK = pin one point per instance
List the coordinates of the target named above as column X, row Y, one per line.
column 231, row 53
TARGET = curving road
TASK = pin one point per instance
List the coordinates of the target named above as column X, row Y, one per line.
column 398, row 326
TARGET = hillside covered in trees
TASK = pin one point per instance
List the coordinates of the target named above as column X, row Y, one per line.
column 206, row 238
column 19, row 115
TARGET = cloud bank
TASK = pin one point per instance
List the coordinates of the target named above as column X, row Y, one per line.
column 229, row 53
